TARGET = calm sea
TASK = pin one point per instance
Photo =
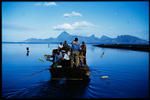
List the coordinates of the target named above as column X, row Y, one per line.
column 23, row 76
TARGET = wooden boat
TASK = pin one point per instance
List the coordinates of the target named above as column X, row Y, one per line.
column 59, row 72
column 81, row 73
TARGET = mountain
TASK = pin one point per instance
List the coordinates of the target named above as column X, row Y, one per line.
column 122, row 39
column 63, row 35
column 105, row 39
column 127, row 39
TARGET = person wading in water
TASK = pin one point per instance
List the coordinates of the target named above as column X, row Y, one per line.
column 27, row 48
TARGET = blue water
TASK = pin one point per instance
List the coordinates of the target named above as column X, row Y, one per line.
column 127, row 73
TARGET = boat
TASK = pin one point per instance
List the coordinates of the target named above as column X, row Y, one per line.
column 59, row 72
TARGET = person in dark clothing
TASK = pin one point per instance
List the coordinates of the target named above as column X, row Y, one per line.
column 27, row 48
column 82, row 59
column 66, row 46
column 83, row 50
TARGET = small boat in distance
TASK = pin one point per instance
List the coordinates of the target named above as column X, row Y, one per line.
column 59, row 71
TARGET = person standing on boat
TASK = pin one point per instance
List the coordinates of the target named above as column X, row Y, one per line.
column 75, row 52
column 66, row 46
column 83, row 50
column 81, row 59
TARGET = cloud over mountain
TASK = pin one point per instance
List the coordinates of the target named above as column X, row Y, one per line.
column 74, row 26
column 73, row 13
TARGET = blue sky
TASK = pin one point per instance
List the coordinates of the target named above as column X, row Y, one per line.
column 23, row 20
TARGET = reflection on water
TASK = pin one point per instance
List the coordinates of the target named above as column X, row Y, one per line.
column 27, row 53
column 127, row 73
column 51, row 89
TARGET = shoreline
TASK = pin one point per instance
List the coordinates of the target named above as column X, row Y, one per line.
column 135, row 47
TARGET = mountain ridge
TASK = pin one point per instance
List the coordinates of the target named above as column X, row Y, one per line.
column 121, row 39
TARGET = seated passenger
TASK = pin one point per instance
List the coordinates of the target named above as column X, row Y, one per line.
column 66, row 59
column 57, row 58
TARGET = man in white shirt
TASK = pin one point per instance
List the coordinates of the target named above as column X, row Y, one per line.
column 66, row 59
column 67, row 56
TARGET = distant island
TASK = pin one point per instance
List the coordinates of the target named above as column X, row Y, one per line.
column 136, row 47
column 120, row 42
column 122, row 39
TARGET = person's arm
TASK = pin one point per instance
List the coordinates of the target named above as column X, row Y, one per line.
column 72, row 46
column 80, row 47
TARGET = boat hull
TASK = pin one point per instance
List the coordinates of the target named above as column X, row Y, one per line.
column 80, row 73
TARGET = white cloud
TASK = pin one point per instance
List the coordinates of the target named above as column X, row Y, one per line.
column 73, row 13
column 49, row 4
column 46, row 4
column 81, row 24
column 65, row 26
column 73, row 26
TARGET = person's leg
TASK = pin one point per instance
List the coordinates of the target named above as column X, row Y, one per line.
column 81, row 61
column 84, row 58
column 72, row 59
column 77, row 59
